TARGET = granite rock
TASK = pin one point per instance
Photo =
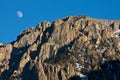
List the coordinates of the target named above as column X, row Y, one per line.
column 74, row 47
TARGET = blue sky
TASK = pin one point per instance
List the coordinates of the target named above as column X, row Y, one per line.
column 36, row 11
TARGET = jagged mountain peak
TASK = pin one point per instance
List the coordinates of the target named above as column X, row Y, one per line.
column 74, row 47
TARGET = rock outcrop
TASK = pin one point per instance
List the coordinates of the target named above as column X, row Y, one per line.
column 71, row 48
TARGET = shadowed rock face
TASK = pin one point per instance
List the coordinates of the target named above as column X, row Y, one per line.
column 72, row 48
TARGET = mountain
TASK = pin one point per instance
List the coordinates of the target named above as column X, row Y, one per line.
column 71, row 48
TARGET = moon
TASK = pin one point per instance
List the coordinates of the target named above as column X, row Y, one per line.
column 19, row 14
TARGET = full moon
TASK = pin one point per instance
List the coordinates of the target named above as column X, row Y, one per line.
column 19, row 14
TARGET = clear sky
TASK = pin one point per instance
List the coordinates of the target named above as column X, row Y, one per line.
column 36, row 11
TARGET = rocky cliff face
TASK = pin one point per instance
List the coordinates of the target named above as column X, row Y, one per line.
column 72, row 48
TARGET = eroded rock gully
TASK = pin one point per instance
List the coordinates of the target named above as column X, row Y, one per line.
column 71, row 48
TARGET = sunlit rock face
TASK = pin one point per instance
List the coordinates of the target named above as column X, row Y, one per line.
column 71, row 48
